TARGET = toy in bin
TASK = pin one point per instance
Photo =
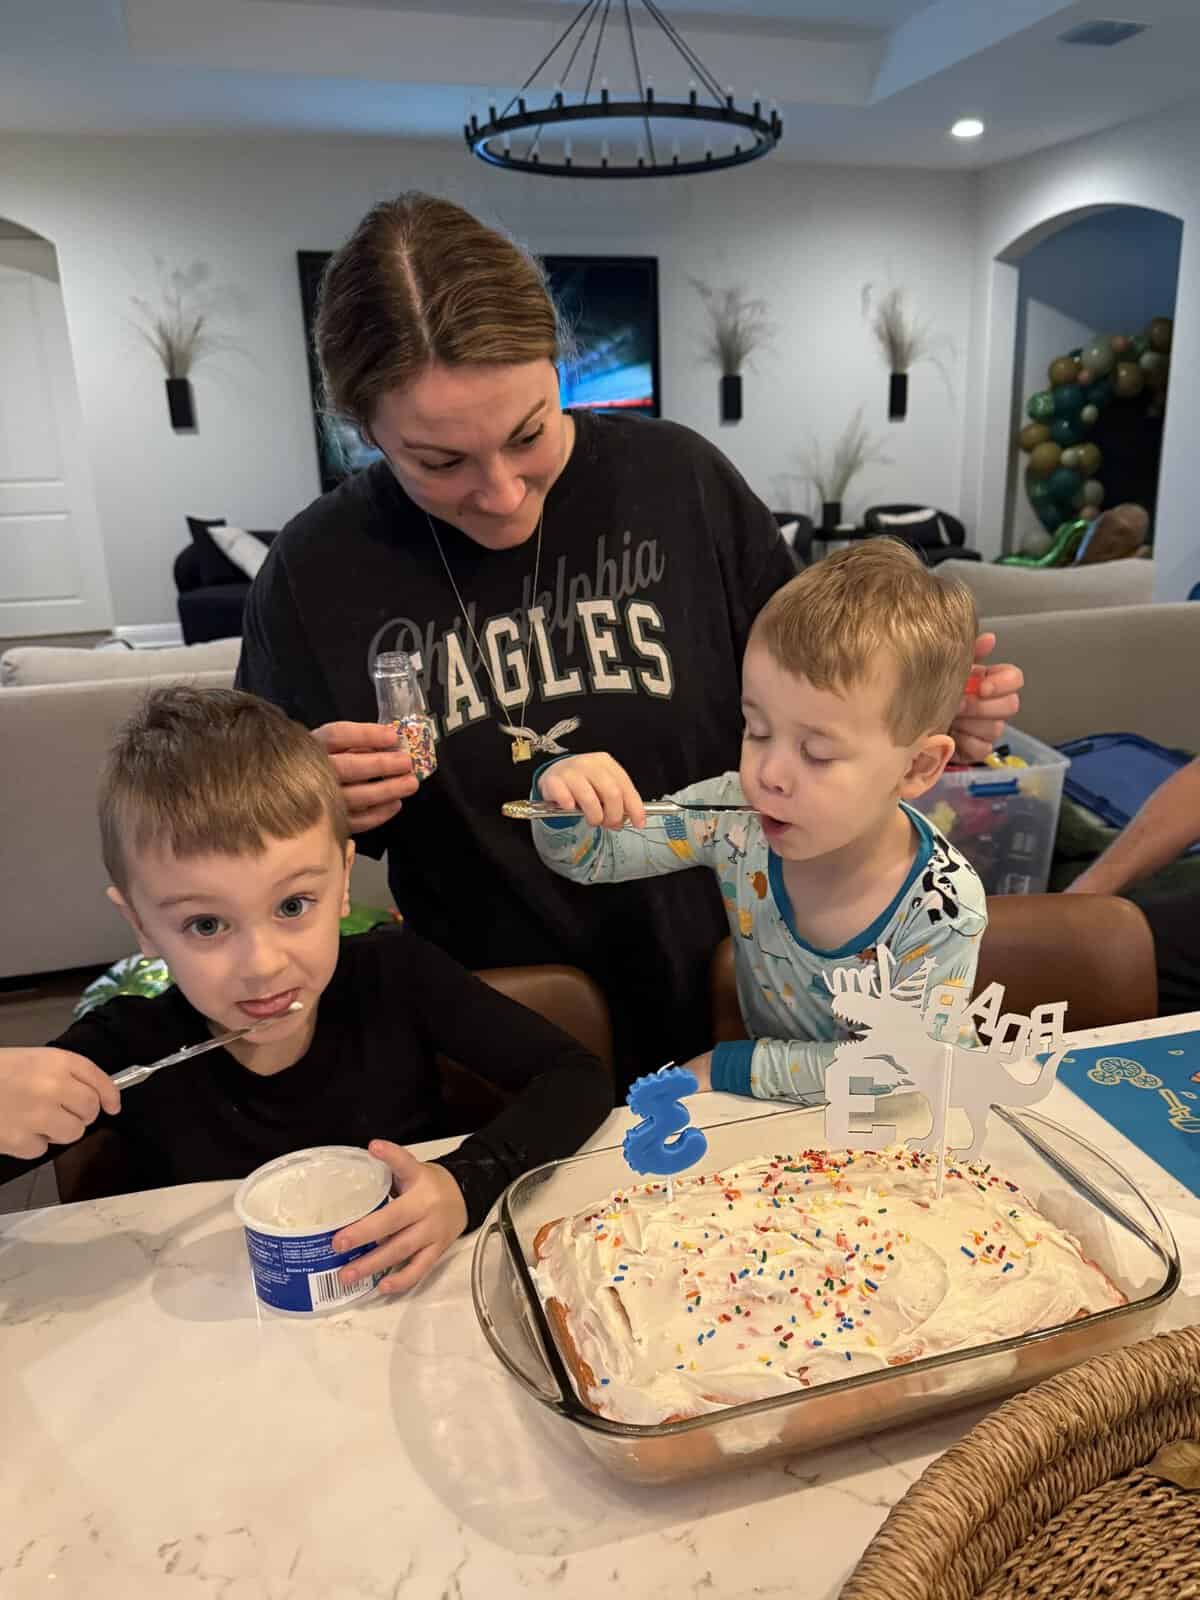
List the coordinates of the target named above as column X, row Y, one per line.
column 1003, row 815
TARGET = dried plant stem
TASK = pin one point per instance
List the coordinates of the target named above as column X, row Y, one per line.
column 832, row 473
column 738, row 326
column 903, row 337
column 177, row 326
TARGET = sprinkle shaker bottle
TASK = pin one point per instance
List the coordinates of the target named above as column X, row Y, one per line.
column 401, row 702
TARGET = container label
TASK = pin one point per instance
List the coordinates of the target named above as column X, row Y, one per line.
column 300, row 1274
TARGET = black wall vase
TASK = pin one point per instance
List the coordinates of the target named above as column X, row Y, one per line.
column 897, row 396
column 831, row 515
column 731, row 397
column 180, row 405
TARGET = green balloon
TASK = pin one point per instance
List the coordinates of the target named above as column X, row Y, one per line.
column 1098, row 356
column 1038, row 491
column 1089, row 416
column 1138, row 345
column 1063, row 483
column 1066, row 431
column 1041, row 406
column 1050, row 514
column 1098, row 394
column 1068, row 400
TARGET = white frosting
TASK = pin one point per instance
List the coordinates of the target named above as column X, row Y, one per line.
column 323, row 1191
column 791, row 1271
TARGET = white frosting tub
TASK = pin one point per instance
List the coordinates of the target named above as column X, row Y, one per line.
column 1072, row 1185
column 292, row 1207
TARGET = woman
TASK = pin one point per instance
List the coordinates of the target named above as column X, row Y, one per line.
column 571, row 581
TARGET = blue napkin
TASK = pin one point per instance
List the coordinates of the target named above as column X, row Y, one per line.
column 1150, row 1090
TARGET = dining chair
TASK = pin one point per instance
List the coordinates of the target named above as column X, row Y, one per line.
column 1096, row 952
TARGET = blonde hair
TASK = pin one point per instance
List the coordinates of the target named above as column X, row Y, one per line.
column 422, row 281
column 832, row 622
column 200, row 771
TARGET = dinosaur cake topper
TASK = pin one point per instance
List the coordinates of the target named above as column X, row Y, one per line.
column 904, row 1035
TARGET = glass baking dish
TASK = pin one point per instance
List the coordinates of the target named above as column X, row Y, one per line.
column 1069, row 1182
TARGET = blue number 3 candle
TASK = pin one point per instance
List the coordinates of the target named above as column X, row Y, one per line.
column 663, row 1142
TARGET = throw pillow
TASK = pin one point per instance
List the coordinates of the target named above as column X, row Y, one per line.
column 922, row 527
column 215, row 566
column 246, row 550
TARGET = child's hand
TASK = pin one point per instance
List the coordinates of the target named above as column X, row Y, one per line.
column 418, row 1226
column 596, row 785
column 701, row 1069
column 49, row 1097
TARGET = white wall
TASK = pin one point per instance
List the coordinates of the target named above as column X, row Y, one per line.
column 805, row 238
column 1151, row 163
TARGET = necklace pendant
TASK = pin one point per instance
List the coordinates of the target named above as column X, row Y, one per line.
column 522, row 750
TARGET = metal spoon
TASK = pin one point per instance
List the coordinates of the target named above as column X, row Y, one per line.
column 531, row 810
column 131, row 1075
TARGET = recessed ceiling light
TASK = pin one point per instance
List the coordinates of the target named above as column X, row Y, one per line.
column 967, row 128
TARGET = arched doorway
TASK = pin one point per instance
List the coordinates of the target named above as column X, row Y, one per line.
column 53, row 577
column 1110, row 272
column 997, row 484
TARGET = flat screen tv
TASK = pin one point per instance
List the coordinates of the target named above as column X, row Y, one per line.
column 609, row 305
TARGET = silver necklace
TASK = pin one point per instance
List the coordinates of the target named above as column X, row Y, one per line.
column 525, row 740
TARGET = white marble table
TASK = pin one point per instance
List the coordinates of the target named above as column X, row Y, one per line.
column 160, row 1438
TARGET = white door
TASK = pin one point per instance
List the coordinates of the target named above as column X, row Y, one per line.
column 53, row 577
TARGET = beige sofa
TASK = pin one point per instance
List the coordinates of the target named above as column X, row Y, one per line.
column 1127, row 668
column 1116, row 669
column 1020, row 591
column 58, row 712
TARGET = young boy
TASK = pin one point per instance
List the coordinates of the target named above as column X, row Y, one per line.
column 851, row 677
column 226, row 837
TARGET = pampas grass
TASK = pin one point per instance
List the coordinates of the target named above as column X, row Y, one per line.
column 738, row 326
column 902, row 336
column 177, row 324
column 832, row 473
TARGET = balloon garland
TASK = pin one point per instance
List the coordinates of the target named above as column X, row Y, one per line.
column 1062, row 473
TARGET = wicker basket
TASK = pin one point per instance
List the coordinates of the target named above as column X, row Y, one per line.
column 1047, row 1499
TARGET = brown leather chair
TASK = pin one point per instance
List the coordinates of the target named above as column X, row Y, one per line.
column 563, row 995
column 1096, row 952
column 91, row 1169
column 1093, row 951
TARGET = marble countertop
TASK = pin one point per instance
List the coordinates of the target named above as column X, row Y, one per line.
column 162, row 1438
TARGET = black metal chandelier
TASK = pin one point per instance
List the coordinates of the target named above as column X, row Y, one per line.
column 515, row 138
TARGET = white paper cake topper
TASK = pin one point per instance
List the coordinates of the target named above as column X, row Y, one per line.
column 904, row 1036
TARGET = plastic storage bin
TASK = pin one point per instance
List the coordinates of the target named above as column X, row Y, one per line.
column 1003, row 819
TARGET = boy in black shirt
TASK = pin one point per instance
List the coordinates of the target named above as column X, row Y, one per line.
column 226, row 837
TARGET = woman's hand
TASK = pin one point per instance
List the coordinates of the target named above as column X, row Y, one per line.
column 49, row 1096
column 981, row 716
column 596, row 785
column 373, row 768
column 412, row 1230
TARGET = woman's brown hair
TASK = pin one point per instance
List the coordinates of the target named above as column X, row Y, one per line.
column 421, row 280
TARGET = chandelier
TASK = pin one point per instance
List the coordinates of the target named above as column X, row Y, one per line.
column 525, row 139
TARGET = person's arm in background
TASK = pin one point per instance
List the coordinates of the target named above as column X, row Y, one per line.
column 1162, row 830
column 279, row 664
